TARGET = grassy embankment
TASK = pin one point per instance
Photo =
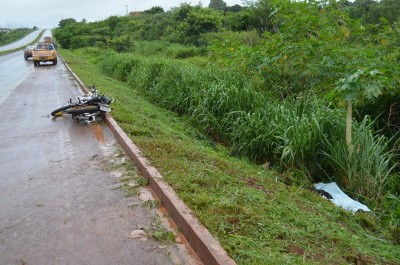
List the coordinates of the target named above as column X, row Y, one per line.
column 256, row 217
column 14, row 35
column 22, row 47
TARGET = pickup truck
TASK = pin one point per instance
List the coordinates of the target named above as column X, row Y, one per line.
column 48, row 39
column 44, row 52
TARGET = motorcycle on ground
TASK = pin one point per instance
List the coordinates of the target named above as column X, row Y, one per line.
column 86, row 109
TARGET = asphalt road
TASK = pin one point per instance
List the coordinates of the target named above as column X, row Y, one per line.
column 22, row 42
column 58, row 203
column 12, row 68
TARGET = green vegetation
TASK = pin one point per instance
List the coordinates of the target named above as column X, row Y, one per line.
column 157, row 230
column 131, row 182
column 259, row 95
column 14, row 35
column 260, row 216
column 20, row 48
column 124, row 169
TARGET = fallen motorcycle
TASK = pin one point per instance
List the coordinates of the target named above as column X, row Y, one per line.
column 88, row 108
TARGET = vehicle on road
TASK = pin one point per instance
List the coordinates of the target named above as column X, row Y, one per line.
column 86, row 109
column 44, row 52
column 28, row 51
column 49, row 39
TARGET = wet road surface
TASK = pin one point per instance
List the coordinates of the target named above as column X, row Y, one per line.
column 22, row 42
column 12, row 68
column 58, row 204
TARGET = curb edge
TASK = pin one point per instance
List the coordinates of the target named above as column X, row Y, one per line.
column 206, row 247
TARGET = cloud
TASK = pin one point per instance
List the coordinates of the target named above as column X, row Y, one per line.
column 47, row 13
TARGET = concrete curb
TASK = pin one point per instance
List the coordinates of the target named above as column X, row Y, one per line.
column 207, row 248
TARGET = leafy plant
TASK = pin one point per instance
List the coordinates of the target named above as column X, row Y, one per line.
column 121, row 44
column 361, row 85
column 366, row 171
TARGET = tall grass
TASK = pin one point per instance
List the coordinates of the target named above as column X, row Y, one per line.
column 119, row 66
column 254, row 134
column 290, row 133
column 303, row 132
column 367, row 170
column 166, row 49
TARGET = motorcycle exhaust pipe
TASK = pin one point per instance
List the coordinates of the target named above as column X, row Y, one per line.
column 86, row 118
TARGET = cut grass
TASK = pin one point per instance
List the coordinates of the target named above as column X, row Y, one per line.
column 130, row 179
column 256, row 218
column 131, row 182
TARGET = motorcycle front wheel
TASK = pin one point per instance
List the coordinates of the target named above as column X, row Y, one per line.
column 60, row 111
column 75, row 110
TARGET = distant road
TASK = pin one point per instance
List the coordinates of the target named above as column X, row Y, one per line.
column 13, row 66
column 24, row 41
column 59, row 202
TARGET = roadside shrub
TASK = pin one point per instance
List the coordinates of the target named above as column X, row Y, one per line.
column 177, row 87
column 222, row 95
column 137, row 76
column 150, row 48
column 290, row 134
column 253, row 134
column 123, row 43
column 233, row 39
column 109, row 62
column 166, row 49
column 84, row 41
column 125, row 66
column 390, row 212
column 306, row 124
column 153, row 73
column 183, row 51
column 93, row 54
column 365, row 172
column 119, row 65
column 14, row 35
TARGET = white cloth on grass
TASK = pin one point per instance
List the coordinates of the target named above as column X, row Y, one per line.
column 340, row 198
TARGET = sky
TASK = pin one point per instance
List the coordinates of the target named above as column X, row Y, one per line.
column 47, row 13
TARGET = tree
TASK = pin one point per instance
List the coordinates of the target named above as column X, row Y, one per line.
column 262, row 15
column 154, row 10
column 236, row 21
column 121, row 44
column 363, row 84
column 65, row 22
column 235, row 8
column 112, row 21
column 363, row 9
column 188, row 22
column 217, row 4
column 389, row 9
column 153, row 27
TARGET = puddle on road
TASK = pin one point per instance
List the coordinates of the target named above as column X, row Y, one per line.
column 98, row 133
